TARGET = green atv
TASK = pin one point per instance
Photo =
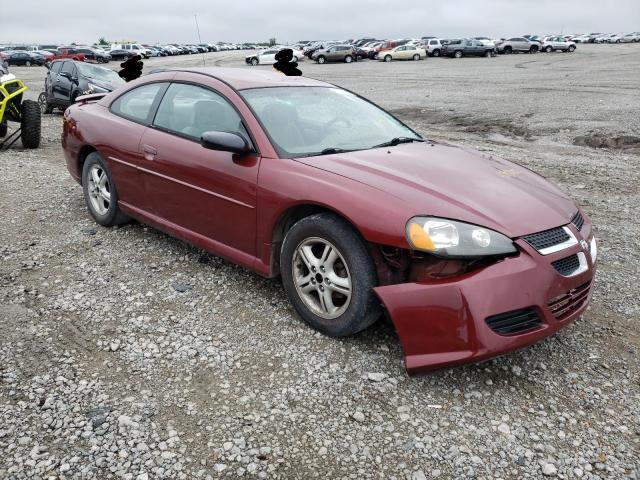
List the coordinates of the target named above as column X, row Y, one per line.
column 14, row 109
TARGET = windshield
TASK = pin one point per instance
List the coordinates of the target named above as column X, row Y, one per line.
column 99, row 73
column 305, row 121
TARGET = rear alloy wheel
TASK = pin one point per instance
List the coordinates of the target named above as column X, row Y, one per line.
column 321, row 59
column 548, row 49
column 436, row 53
column 30, row 124
column 348, row 59
column 254, row 61
column 100, row 193
column 416, row 57
column 387, row 58
column 457, row 54
column 329, row 275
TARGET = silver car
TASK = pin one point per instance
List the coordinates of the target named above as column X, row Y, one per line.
column 551, row 44
column 517, row 44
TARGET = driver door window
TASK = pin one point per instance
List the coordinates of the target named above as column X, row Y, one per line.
column 189, row 111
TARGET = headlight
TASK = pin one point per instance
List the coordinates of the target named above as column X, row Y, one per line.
column 449, row 238
column 96, row 89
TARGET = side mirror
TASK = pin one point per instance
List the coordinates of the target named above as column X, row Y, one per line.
column 225, row 142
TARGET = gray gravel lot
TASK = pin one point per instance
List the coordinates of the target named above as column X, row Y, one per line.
column 125, row 353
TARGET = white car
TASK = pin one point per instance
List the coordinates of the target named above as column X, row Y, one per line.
column 268, row 57
column 630, row 37
column 403, row 52
column 433, row 47
column 551, row 44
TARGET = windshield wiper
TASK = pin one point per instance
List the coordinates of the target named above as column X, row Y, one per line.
column 397, row 141
column 332, row 150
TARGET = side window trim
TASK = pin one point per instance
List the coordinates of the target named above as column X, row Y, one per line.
column 152, row 124
column 154, row 105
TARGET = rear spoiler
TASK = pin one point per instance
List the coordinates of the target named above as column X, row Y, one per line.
column 93, row 97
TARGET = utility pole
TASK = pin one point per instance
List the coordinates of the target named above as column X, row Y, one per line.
column 199, row 39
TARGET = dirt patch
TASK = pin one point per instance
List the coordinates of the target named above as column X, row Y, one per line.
column 597, row 140
column 463, row 122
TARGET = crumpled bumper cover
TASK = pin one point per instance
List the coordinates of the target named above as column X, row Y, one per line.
column 442, row 323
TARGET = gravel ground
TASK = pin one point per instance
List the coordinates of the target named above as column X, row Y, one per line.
column 125, row 353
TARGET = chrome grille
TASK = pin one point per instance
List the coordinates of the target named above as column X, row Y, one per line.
column 547, row 239
column 568, row 265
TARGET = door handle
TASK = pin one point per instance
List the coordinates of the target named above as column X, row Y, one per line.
column 149, row 152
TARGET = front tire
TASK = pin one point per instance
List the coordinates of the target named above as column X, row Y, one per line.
column 348, row 59
column 533, row 49
column 387, row 58
column 329, row 275
column 321, row 59
column 416, row 57
column 457, row 54
column 548, row 49
column 508, row 50
column 254, row 61
column 100, row 194
column 572, row 49
column 436, row 53
column 30, row 124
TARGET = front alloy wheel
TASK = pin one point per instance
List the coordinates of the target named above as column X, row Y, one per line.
column 321, row 277
column 329, row 275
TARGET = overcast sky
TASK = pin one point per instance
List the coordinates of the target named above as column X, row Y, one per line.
column 66, row 21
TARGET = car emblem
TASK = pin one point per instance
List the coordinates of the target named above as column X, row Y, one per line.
column 584, row 245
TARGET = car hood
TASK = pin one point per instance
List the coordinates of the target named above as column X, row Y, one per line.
column 453, row 182
column 104, row 83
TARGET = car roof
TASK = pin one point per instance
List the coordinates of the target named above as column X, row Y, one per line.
column 240, row 78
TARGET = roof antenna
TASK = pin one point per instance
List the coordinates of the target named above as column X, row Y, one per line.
column 199, row 39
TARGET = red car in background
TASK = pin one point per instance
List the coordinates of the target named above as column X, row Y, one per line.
column 67, row 53
column 471, row 256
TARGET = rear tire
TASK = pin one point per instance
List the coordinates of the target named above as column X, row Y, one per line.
column 321, row 59
column 487, row 53
column 315, row 296
column 30, row 124
column 571, row 49
column 387, row 58
column 508, row 50
column 110, row 213
column 436, row 53
column 416, row 57
column 457, row 54
column 548, row 49
column 348, row 59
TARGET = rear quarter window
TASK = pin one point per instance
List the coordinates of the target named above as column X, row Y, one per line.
column 136, row 104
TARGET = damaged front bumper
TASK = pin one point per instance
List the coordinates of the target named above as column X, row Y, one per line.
column 505, row 306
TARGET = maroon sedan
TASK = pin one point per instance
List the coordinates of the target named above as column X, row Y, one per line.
column 470, row 256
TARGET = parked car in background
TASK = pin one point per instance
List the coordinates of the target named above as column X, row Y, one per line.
column 120, row 54
column 557, row 43
column 486, row 41
column 336, row 53
column 68, row 79
column 136, row 48
column 70, row 53
column 466, row 47
column 584, row 38
column 268, row 57
column 93, row 54
column 517, row 44
column 48, row 56
column 403, row 52
column 630, row 37
column 22, row 58
column 433, row 47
